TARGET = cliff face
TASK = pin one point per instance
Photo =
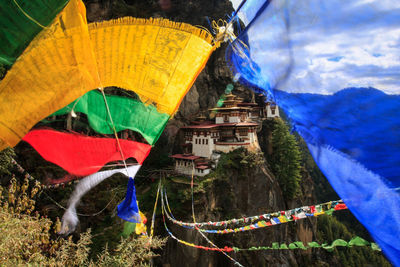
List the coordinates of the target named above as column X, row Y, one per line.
column 238, row 191
column 194, row 12
column 239, row 187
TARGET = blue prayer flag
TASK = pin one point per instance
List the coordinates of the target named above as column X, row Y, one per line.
column 333, row 67
column 128, row 209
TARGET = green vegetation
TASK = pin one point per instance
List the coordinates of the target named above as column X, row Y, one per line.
column 329, row 229
column 240, row 160
column 285, row 159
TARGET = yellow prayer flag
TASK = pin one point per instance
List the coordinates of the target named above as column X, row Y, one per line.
column 56, row 68
column 157, row 59
column 319, row 213
column 282, row 219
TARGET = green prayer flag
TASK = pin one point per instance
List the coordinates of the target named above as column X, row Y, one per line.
column 375, row 246
column 300, row 245
column 358, row 241
column 284, row 246
column 328, row 248
column 329, row 212
column 339, row 243
column 314, row 245
column 21, row 21
column 127, row 113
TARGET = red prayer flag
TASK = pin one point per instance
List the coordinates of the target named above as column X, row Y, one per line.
column 83, row 155
column 340, row 206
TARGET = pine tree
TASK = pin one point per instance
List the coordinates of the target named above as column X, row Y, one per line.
column 285, row 160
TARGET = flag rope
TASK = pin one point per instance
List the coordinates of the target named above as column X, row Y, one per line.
column 355, row 241
column 264, row 220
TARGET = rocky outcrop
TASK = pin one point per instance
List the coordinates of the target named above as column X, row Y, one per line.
column 240, row 191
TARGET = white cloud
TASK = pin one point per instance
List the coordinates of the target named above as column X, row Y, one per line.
column 334, row 45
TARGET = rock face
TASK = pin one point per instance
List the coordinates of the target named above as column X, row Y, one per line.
column 194, row 12
column 241, row 192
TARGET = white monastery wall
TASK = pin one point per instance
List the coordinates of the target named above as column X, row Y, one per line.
column 269, row 112
column 186, row 167
column 219, row 120
column 234, row 119
column 202, row 146
column 198, row 172
column 181, row 168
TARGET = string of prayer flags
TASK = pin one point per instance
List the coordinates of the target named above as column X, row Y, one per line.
column 356, row 241
column 260, row 221
column 260, row 224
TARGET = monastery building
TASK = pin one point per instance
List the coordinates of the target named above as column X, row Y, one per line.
column 235, row 126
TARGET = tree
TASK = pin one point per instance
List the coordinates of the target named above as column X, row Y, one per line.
column 285, row 159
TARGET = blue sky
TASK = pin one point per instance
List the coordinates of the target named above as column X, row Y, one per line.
column 329, row 44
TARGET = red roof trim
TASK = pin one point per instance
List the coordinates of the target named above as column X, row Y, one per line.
column 205, row 126
column 181, row 156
